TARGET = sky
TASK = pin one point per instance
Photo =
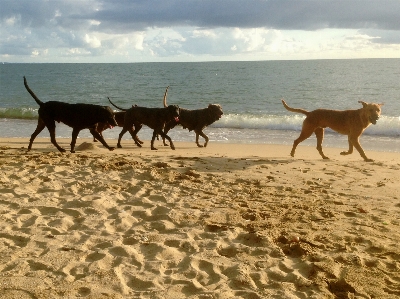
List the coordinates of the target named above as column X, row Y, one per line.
column 112, row 31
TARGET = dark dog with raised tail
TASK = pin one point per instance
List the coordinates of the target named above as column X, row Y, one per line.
column 76, row 116
column 155, row 118
column 195, row 120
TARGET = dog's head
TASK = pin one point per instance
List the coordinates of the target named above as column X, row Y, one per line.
column 215, row 111
column 173, row 111
column 109, row 117
column 372, row 110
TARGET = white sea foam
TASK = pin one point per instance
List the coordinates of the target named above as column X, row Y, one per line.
column 386, row 125
column 19, row 113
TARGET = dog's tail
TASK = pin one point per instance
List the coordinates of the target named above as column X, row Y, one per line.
column 298, row 110
column 122, row 109
column 165, row 98
column 40, row 103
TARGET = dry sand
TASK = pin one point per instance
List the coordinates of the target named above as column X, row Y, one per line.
column 227, row 221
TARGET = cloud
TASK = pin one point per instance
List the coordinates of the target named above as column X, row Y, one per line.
column 126, row 15
column 382, row 36
column 190, row 28
column 277, row 14
column 92, row 41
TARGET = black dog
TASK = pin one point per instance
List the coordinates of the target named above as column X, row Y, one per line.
column 77, row 116
column 155, row 118
column 120, row 118
column 195, row 120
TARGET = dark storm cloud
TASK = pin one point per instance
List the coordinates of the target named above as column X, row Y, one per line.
column 278, row 14
column 125, row 15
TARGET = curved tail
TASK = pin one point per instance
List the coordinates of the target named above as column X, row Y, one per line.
column 298, row 110
column 122, row 109
column 40, row 103
column 165, row 97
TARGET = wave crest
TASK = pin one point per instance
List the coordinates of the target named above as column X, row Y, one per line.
column 19, row 113
column 386, row 126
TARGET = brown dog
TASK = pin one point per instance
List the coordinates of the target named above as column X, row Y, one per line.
column 348, row 122
column 195, row 120
column 77, row 116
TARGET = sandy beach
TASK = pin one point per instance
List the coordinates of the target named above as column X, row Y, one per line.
column 226, row 221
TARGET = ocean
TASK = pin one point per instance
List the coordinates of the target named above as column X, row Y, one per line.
column 250, row 94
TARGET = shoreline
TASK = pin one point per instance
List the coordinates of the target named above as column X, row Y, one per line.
column 24, row 129
column 281, row 151
column 229, row 220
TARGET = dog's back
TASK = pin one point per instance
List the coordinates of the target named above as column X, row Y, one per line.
column 339, row 120
column 199, row 118
column 151, row 117
column 75, row 115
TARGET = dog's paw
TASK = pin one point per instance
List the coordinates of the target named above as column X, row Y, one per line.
column 111, row 148
column 368, row 160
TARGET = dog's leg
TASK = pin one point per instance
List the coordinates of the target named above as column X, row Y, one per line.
column 306, row 132
column 319, row 132
column 202, row 135
column 197, row 139
column 350, row 151
column 134, row 136
column 75, row 133
column 166, row 129
column 134, row 132
column 137, row 127
column 94, row 138
column 152, row 140
column 99, row 136
column 51, row 126
column 163, row 135
column 40, row 126
column 97, row 129
column 124, row 130
column 138, row 139
column 356, row 143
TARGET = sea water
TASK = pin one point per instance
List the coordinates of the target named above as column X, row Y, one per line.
column 250, row 94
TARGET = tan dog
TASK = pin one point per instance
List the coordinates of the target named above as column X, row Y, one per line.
column 348, row 122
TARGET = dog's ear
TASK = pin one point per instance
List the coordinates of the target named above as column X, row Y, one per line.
column 363, row 103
